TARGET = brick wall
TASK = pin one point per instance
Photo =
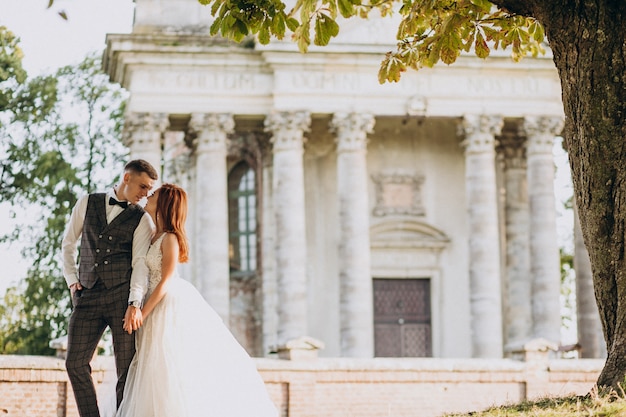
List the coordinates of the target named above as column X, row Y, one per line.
column 338, row 387
column 37, row 386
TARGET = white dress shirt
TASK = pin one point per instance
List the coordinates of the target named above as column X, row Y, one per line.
column 141, row 242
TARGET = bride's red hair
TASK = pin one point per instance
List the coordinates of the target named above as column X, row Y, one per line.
column 172, row 209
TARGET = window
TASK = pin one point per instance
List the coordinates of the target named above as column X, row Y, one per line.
column 242, row 206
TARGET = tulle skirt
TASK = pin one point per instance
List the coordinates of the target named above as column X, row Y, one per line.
column 188, row 364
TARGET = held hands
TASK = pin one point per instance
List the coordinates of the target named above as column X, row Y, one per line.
column 133, row 319
column 75, row 287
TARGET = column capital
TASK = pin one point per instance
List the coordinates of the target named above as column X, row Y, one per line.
column 138, row 124
column 480, row 131
column 211, row 130
column 540, row 132
column 288, row 129
column 352, row 130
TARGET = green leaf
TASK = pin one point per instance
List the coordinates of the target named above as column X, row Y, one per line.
column 292, row 24
column 407, row 28
column 484, row 5
column 240, row 30
column 537, row 32
column 325, row 29
column 480, row 46
column 346, row 8
column 302, row 36
column 215, row 26
column 264, row 35
column 391, row 69
column 490, row 33
column 227, row 27
column 450, row 47
column 278, row 25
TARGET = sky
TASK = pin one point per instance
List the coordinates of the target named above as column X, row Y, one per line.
column 49, row 42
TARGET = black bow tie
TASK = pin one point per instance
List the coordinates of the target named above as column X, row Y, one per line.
column 122, row 204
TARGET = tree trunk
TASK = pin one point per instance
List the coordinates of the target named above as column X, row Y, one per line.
column 589, row 53
column 587, row 38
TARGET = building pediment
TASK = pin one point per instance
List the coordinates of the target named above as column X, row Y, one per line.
column 407, row 233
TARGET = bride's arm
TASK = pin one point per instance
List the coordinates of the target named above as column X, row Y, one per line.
column 169, row 248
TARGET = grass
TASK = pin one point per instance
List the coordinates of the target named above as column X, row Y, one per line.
column 612, row 404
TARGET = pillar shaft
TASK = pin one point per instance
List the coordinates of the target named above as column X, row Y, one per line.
column 590, row 335
column 484, row 247
column 544, row 249
column 356, row 305
column 211, row 222
column 517, row 312
column 289, row 207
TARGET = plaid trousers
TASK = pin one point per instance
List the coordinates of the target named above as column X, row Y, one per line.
column 94, row 310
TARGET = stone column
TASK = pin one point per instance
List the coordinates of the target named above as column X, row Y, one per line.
column 211, row 245
column 544, row 250
column 144, row 137
column 590, row 335
column 268, row 263
column 517, row 312
column 484, row 247
column 288, row 190
column 356, row 306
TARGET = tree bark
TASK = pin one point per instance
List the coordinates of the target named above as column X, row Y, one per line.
column 588, row 41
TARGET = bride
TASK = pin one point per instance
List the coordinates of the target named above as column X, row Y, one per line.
column 187, row 363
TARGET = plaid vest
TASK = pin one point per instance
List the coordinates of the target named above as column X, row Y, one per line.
column 106, row 249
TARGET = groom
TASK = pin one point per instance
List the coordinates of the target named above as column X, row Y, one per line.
column 109, row 284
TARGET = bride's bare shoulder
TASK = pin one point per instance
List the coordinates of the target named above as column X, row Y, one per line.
column 170, row 239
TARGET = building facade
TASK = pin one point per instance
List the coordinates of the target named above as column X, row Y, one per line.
column 406, row 219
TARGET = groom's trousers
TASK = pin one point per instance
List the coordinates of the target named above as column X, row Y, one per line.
column 94, row 310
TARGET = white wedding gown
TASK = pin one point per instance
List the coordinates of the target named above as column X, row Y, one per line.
column 188, row 364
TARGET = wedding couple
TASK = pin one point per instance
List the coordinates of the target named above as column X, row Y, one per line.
column 174, row 356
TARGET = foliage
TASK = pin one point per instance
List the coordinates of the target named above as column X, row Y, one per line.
column 61, row 140
column 11, row 72
column 568, row 288
column 430, row 31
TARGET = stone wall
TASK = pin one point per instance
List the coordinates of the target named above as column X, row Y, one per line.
column 338, row 387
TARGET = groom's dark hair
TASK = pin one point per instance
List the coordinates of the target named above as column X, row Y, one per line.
column 137, row 166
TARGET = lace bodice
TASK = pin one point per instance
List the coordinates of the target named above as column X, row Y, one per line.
column 154, row 259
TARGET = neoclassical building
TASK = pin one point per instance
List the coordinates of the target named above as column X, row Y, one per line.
column 405, row 219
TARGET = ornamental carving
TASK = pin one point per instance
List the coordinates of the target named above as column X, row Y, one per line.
column 352, row 130
column 211, row 130
column 288, row 129
column 480, row 132
column 143, row 129
column 540, row 131
column 398, row 193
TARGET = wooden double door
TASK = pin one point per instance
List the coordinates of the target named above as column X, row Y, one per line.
column 402, row 318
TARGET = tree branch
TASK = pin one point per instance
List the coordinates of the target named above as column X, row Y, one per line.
column 521, row 7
